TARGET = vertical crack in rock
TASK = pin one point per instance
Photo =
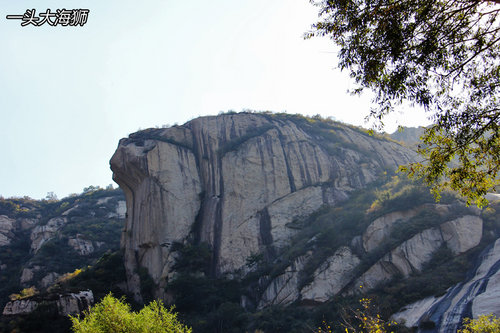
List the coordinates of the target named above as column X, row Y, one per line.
column 308, row 179
column 281, row 137
column 218, row 219
column 198, row 222
column 217, row 239
column 318, row 164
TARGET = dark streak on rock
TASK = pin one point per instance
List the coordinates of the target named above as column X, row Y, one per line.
column 308, row 178
column 291, row 181
column 266, row 238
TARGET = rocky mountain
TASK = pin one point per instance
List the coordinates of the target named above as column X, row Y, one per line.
column 236, row 182
column 247, row 213
column 43, row 242
column 253, row 222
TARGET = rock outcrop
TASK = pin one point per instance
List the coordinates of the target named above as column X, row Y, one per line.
column 19, row 307
column 283, row 289
column 28, row 274
column 378, row 231
column 332, row 276
column 236, row 182
column 6, row 227
column 458, row 235
column 74, row 303
column 43, row 233
column 65, row 304
column 82, row 246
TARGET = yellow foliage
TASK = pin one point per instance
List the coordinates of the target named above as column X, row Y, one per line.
column 25, row 293
column 483, row 324
column 367, row 322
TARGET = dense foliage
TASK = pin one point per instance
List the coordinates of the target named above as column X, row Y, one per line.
column 483, row 324
column 440, row 55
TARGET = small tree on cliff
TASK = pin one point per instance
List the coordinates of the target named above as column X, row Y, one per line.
column 442, row 55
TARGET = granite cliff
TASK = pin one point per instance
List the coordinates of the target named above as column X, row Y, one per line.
column 235, row 182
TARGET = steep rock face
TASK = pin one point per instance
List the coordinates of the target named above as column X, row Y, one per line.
column 406, row 258
column 463, row 233
column 49, row 279
column 235, row 182
column 27, row 275
column 476, row 296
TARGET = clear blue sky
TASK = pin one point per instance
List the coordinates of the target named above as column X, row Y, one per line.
column 68, row 94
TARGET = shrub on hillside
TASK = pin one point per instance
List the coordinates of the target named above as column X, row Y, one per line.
column 114, row 315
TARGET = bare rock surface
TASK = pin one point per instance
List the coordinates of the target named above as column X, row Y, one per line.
column 284, row 289
column 19, row 307
column 82, row 246
column 75, row 303
column 49, row 279
column 333, row 275
column 463, row 233
column 42, row 233
column 378, row 231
